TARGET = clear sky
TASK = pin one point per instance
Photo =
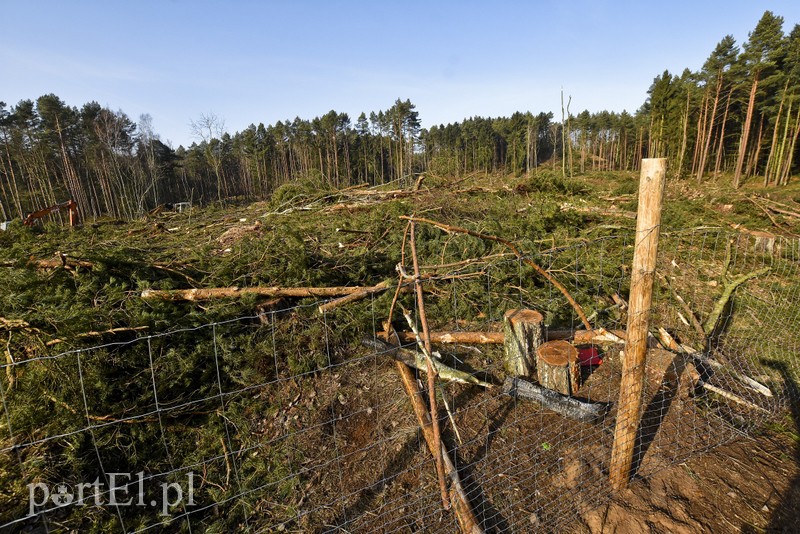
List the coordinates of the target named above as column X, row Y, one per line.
column 250, row 62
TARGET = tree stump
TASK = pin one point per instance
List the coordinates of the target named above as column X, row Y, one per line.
column 523, row 335
column 558, row 367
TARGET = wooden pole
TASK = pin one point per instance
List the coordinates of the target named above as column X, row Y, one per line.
column 648, row 222
column 437, row 435
column 467, row 521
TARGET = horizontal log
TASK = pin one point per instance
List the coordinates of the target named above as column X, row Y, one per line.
column 571, row 407
column 238, row 292
column 581, row 337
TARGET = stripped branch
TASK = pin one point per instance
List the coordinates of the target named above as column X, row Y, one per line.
column 85, row 335
column 437, row 436
column 238, row 292
column 455, row 229
column 727, row 293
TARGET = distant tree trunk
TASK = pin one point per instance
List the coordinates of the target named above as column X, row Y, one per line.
column 737, row 173
column 528, row 150
column 752, row 164
column 699, row 138
column 789, row 160
column 707, row 145
column 15, row 194
column 684, row 140
column 774, row 144
column 721, row 146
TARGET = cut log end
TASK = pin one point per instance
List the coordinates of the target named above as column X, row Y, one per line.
column 558, row 367
column 524, row 315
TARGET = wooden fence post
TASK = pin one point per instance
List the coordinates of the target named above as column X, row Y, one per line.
column 648, row 222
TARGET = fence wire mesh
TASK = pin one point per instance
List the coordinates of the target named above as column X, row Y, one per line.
column 293, row 420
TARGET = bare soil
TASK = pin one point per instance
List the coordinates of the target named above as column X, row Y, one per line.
column 752, row 485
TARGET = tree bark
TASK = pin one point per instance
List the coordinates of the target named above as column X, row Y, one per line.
column 464, row 514
column 237, row 292
column 523, row 334
column 737, row 173
column 558, row 367
column 651, row 191
column 571, row 407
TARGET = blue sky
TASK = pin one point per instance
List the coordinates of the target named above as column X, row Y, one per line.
column 250, row 62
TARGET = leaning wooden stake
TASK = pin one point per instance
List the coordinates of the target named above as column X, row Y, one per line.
column 437, row 436
column 648, row 222
column 464, row 514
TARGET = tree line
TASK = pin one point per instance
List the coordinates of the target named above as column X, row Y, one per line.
column 739, row 114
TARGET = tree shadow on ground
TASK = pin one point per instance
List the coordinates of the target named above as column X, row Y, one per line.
column 656, row 410
column 490, row 518
column 787, row 515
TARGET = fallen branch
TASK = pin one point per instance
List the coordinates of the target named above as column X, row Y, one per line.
column 695, row 322
column 669, row 342
column 463, row 263
column 99, row 334
column 353, row 297
column 598, row 336
column 61, row 261
column 768, row 214
column 431, row 370
column 238, row 292
column 587, row 412
column 418, row 362
column 784, row 212
column 793, row 204
column 727, row 293
column 735, row 398
column 469, row 338
column 599, row 211
column 455, row 229
column 14, row 324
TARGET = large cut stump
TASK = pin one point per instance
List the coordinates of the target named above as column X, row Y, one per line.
column 523, row 335
column 558, row 367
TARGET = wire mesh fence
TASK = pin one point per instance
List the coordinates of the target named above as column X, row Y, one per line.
column 295, row 420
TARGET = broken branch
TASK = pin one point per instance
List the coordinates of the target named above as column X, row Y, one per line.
column 727, row 293
column 99, row 334
column 455, row 229
column 353, row 297
column 437, row 436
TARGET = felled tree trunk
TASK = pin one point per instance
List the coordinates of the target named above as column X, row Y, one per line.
column 523, row 335
column 571, row 407
column 558, row 367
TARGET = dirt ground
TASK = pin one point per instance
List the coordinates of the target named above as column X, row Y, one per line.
column 751, row 486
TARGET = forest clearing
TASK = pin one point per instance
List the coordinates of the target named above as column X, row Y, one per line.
column 289, row 421
column 585, row 323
